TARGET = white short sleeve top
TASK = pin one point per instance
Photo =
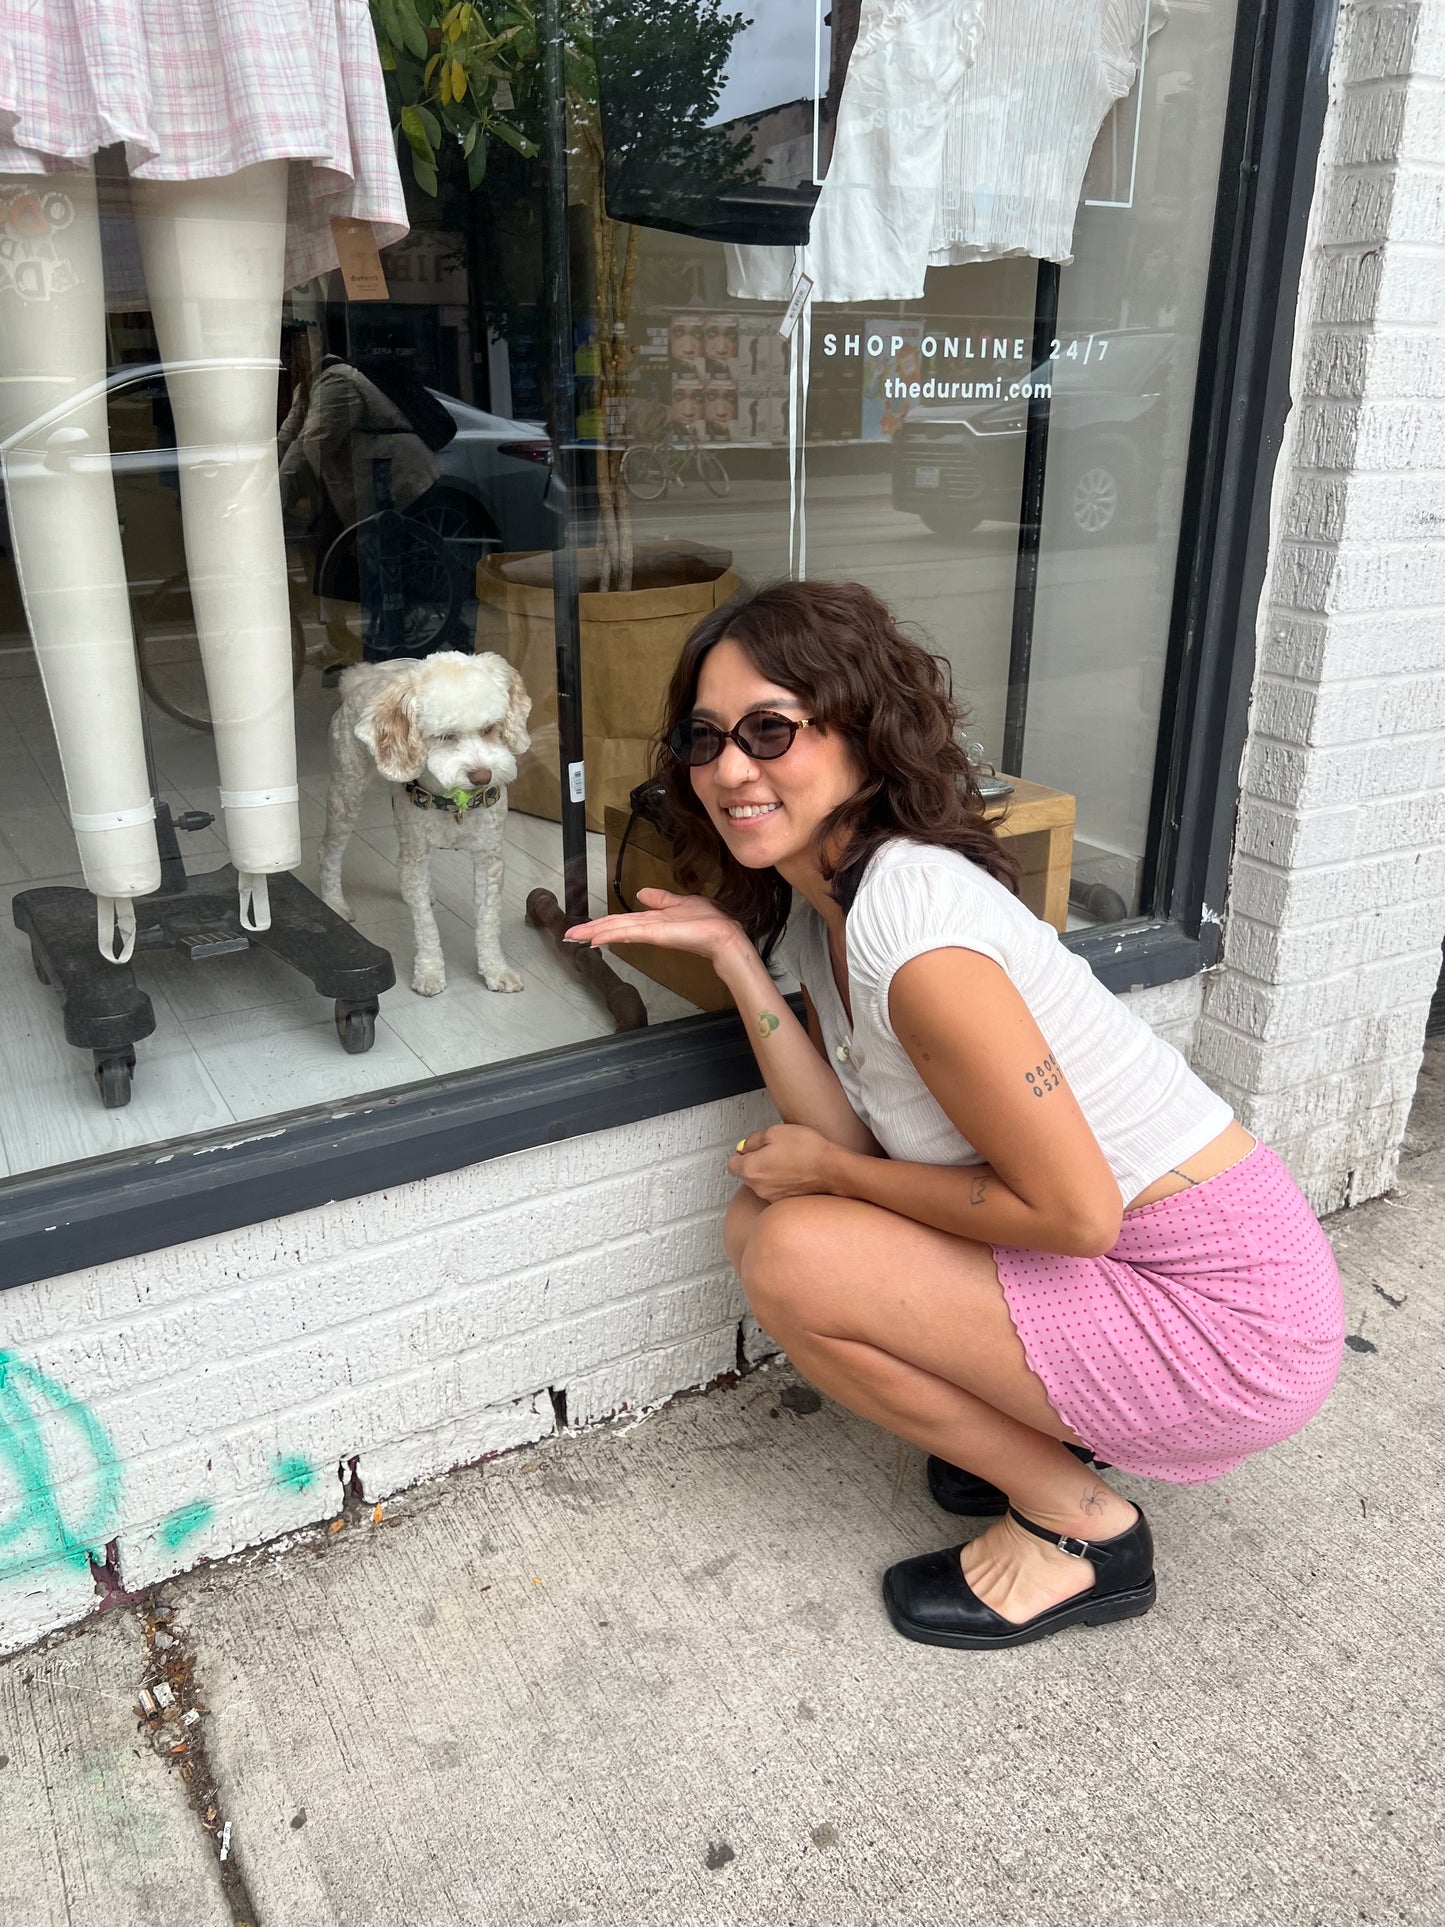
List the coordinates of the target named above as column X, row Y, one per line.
column 1018, row 133
column 1145, row 1106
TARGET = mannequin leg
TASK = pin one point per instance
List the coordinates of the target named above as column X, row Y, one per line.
column 214, row 260
column 66, row 533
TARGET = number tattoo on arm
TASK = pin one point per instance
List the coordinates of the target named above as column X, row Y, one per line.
column 1044, row 1077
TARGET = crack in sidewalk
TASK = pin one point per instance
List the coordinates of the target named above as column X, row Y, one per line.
column 172, row 1714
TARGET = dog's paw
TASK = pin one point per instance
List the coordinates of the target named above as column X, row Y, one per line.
column 342, row 908
column 429, row 980
column 504, row 979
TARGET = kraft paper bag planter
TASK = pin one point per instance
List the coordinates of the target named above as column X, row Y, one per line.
column 630, row 644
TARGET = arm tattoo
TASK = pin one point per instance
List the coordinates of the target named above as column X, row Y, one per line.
column 767, row 1024
column 1044, row 1077
column 978, row 1191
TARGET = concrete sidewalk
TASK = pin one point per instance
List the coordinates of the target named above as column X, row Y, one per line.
column 643, row 1676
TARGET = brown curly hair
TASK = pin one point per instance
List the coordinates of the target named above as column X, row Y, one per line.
column 839, row 648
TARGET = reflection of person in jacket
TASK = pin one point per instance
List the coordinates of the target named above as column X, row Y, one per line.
column 335, row 433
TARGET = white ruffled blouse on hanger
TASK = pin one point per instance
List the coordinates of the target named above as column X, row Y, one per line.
column 964, row 130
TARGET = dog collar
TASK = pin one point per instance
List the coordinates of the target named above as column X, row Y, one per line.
column 455, row 802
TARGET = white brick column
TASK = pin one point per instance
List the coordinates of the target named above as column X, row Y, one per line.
column 1314, row 1024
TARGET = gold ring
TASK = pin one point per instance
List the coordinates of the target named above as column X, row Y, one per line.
column 742, row 1143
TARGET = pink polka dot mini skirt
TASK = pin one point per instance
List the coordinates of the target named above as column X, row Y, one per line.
column 1214, row 1328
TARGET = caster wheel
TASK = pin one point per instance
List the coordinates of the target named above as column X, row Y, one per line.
column 356, row 1028
column 114, row 1076
column 41, row 972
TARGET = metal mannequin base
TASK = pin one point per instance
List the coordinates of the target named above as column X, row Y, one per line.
column 105, row 1010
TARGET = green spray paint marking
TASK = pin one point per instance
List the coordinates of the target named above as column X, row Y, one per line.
column 295, row 1473
column 37, row 1533
column 185, row 1522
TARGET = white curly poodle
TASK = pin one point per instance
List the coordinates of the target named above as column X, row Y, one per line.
column 446, row 733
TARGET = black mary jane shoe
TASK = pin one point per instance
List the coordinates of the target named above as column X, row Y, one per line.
column 928, row 1598
column 974, row 1498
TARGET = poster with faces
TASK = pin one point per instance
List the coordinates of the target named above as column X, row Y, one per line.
column 720, row 341
column 689, row 397
column 685, row 339
column 703, row 354
column 720, row 410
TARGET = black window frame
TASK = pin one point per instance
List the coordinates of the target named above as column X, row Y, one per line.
column 104, row 1209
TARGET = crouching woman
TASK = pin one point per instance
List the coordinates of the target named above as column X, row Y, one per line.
column 1001, row 1218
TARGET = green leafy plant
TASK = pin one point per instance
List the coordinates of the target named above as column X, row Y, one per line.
column 461, row 73
column 455, row 70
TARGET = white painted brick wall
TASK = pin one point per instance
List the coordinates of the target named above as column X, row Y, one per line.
column 1173, row 1010
column 196, row 1400
column 1313, row 1026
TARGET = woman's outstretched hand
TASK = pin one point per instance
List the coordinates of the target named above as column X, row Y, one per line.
column 694, row 924
column 786, row 1161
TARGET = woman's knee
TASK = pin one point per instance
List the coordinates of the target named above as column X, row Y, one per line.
column 782, row 1261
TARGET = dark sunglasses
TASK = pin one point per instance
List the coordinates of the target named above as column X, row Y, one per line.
column 762, row 734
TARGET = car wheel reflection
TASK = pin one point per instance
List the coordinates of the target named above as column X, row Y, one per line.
column 1094, row 500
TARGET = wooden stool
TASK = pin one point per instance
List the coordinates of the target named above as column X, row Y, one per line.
column 1038, row 824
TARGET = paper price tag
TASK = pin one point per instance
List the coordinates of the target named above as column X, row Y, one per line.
column 801, row 292
column 359, row 259
column 502, row 98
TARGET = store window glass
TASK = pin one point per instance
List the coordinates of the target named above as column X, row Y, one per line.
column 285, row 765
column 885, row 439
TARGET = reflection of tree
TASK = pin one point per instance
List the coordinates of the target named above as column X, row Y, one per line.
column 660, row 68
column 465, row 83
column 661, row 65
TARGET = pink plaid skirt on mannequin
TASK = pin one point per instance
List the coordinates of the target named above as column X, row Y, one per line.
column 198, row 89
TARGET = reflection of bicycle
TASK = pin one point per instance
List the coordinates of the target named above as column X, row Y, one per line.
column 403, row 574
column 398, row 568
column 650, row 468
column 168, row 650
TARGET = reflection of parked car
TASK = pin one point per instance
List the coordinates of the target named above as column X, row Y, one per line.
column 495, row 482
column 494, row 485
column 958, row 463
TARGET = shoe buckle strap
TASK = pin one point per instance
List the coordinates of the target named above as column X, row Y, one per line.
column 1076, row 1548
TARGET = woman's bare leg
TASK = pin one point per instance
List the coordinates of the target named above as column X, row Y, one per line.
column 908, row 1327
